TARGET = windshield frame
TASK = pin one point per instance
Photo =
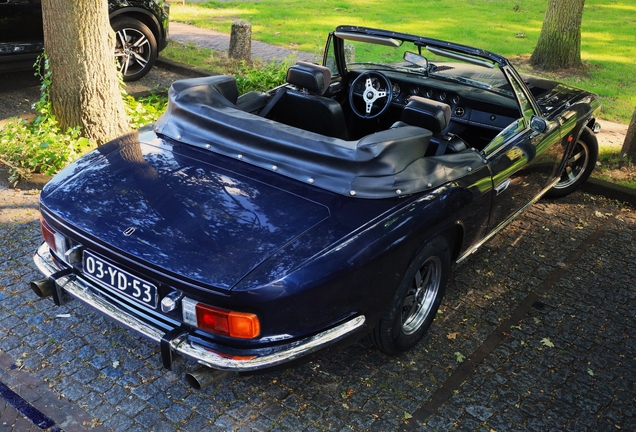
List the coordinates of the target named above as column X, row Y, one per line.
column 336, row 58
column 363, row 32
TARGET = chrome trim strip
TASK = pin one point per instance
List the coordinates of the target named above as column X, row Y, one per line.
column 278, row 355
column 505, row 223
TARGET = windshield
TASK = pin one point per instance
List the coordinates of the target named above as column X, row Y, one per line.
column 426, row 62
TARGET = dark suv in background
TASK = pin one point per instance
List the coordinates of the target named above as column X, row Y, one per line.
column 141, row 28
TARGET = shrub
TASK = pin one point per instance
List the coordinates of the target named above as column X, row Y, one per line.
column 41, row 146
column 261, row 76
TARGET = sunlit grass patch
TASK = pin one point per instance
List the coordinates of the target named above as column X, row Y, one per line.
column 508, row 27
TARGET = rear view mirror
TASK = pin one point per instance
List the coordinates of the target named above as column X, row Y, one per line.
column 416, row 59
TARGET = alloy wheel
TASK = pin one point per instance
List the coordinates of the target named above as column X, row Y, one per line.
column 575, row 165
column 132, row 51
column 420, row 299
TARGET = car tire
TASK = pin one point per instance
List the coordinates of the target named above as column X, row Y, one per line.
column 416, row 300
column 578, row 167
column 135, row 49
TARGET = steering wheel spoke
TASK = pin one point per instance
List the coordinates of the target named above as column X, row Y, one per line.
column 376, row 86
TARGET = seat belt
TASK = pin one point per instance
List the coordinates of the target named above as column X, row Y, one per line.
column 441, row 147
column 272, row 102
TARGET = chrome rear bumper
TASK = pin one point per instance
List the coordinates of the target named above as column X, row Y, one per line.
column 78, row 288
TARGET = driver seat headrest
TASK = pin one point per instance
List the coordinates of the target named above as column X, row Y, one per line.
column 311, row 77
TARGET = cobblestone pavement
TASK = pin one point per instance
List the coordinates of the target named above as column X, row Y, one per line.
column 536, row 333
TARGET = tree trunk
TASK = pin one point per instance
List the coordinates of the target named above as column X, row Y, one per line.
column 629, row 146
column 559, row 45
column 84, row 84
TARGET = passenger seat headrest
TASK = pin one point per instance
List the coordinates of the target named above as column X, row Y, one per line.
column 427, row 113
column 312, row 77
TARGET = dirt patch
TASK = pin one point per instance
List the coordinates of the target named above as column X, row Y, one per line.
column 618, row 170
column 611, row 134
column 523, row 65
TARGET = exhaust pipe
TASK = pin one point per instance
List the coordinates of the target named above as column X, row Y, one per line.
column 204, row 376
column 43, row 287
column 48, row 287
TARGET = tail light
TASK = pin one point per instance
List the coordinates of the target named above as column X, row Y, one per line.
column 56, row 241
column 240, row 325
column 47, row 233
column 53, row 239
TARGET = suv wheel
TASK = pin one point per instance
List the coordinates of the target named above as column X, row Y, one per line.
column 136, row 48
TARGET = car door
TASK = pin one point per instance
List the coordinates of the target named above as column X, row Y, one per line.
column 524, row 158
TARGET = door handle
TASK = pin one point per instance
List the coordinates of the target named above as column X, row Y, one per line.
column 502, row 186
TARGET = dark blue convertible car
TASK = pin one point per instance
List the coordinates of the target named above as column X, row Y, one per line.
column 249, row 232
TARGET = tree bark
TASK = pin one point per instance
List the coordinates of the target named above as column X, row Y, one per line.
column 559, row 45
column 84, row 84
column 629, row 145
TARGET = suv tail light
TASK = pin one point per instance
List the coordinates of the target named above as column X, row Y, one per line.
column 240, row 325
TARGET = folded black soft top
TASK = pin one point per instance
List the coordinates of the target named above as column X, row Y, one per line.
column 203, row 112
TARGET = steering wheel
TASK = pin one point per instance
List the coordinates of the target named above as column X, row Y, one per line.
column 374, row 83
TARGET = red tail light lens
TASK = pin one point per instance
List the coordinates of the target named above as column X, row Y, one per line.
column 240, row 325
column 47, row 233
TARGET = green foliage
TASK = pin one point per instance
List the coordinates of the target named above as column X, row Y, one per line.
column 41, row 146
column 255, row 76
column 144, row 110
column 263, row 77
column 508, row 27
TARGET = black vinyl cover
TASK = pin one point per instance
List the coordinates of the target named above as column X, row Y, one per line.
column 386, row 164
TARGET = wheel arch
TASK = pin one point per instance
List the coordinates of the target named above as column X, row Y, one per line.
column 453, row 234
column 141, row 15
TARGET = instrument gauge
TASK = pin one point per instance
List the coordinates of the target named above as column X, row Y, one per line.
column 442, row 97
column 396, row 90
column 456, row 100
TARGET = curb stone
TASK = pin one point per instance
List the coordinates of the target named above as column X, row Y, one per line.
column 182, row 69
column 610, row 190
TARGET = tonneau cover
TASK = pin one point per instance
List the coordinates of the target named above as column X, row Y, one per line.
column 203, row 112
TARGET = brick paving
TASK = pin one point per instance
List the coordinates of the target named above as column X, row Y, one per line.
column 218, row 41
column 538, row 326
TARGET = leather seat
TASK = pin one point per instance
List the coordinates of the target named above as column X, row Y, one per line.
column 303, row 105
column 434, row 116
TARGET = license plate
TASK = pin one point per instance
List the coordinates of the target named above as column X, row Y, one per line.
column 120, row 280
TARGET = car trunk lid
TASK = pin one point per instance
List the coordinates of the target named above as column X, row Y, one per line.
column 180, row 214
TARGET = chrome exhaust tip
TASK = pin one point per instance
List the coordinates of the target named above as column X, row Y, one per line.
column 204, row 376
column 43, row 287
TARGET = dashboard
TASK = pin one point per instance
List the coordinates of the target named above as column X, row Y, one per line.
column 469, row 105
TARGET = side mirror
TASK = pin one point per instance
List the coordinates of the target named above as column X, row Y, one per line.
column 538, row 124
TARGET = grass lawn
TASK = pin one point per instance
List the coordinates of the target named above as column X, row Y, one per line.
column 508, row 27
